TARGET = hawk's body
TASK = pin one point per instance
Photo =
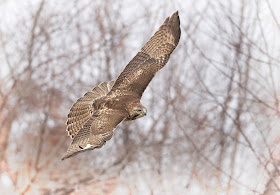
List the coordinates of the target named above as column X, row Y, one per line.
column 93, row 118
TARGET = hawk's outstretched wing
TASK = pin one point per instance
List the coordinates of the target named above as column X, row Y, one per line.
column 152, row 57
column 80, row 111
column 95, row 132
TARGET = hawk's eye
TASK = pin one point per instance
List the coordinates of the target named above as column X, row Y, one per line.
column 139, row 110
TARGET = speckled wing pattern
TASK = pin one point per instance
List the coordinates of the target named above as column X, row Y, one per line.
column 151, row 58
column 80, row 111
column 95, row 132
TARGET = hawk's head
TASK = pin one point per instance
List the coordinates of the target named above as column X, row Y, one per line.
column 137, row 111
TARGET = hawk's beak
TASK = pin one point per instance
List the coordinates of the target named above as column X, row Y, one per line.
column 145, row 111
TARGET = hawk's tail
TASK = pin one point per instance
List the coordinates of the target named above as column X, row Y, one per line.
column 79, row 113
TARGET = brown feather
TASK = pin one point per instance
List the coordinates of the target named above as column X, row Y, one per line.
column 95, row 132
column 152, row 57
column 79, row 113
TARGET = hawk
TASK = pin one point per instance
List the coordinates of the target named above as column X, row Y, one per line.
column 93, row 118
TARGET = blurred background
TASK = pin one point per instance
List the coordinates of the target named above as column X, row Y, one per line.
column 213, row 111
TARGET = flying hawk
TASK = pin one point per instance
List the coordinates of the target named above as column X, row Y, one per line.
column 93, row 118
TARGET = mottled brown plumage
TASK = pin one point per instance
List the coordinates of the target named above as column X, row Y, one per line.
column 93, row 118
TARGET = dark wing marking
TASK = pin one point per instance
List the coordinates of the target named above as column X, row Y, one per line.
column 80, row 113
column 152, row 57
column 95, row 132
